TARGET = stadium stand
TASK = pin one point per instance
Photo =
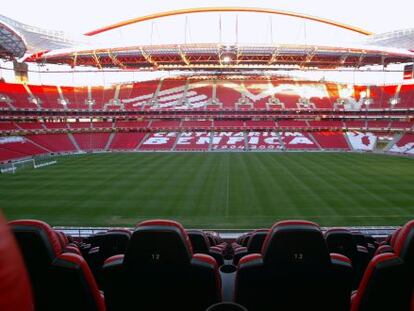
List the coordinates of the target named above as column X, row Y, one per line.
column 228, row 141
column 263, row 141
column 193, row 141
column 39, row 141
column 260, row 124
column 362, row 141
column 404, row 145
column 15, row 147
column 159, row 141
column 91, row 141
column 30, row 125
column 8, row 126
column 56, row 125
column 297, row 140
column 131, row 124
column 126, row 141
column 181, row 94
column 53, row 142
column 331, row 140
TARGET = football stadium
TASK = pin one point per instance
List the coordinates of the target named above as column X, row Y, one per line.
column 206, row 156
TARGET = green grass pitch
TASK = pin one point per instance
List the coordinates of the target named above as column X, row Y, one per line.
column 214, row 190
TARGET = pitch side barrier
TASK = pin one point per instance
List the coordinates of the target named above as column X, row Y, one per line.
column 378, row 232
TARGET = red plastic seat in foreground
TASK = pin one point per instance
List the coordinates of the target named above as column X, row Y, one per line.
column 294, row 272
column 404, row 248
column 15, row 289
column 384, row 285
column 60, row 281
column 389, row 279
column 160, row 272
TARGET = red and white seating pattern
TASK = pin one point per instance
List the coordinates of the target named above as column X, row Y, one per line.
column 263, row 141
column 404, row 145
column 193, row 141
column 180, row 94
column 15, row 147
column 362, row 141
column 228, row 141
column 297, row 140
column 159, row 141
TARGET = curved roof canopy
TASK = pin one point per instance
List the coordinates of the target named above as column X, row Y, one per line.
column 216, row 56
column 227, row 9
column 12, row 44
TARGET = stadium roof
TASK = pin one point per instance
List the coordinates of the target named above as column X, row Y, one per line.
column 403, row 38
column 216, row 56
column 12, row 44
column 34, row 39
column 55, row 47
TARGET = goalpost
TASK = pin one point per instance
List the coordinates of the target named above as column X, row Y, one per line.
column 35, row 163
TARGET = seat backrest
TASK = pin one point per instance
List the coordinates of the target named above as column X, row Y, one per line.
column 160, row 271
column 393, row 237
column 341, row 241
column 294, row 272
column 404, row 248
column 359, row 238
column 156, row 243
column 298, row 243
column 114, row 242
column 39, row 246
column 15, row 288
column 199, row 241
column 256, row 241
column 384, row 285
column 55, row 276
column 404, row 245
column 63, row 239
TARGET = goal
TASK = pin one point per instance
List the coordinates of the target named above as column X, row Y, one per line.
column 35, row 163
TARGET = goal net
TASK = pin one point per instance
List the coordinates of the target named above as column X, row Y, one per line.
column 34, row 163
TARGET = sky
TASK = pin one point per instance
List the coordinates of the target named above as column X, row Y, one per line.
column 79, row 16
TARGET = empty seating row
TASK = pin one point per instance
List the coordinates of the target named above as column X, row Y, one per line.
column 159, row 266
column 7, row 126
column 15, row 147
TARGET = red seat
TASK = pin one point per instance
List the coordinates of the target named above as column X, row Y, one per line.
column 384, row 286
column 294, row 272
column 112, row 242
column 160, row 272
column 404, row 248
column 54, row 275
column 201, row 245
column 340, row 240
column 15, row 289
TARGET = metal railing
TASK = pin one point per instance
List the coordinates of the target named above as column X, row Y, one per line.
column 375, row 231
